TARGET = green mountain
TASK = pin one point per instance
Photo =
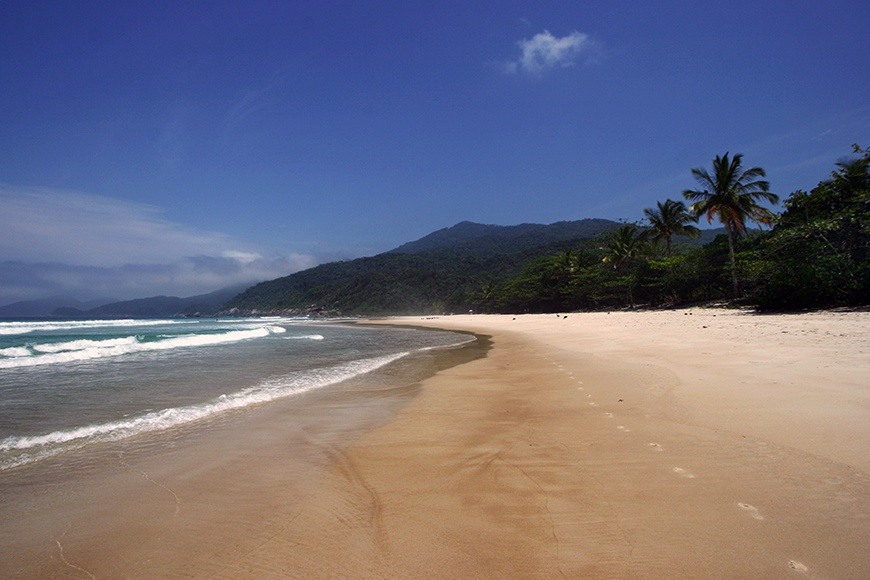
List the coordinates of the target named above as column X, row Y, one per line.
column 815, row 255
column 473, row 239
column 443, row 271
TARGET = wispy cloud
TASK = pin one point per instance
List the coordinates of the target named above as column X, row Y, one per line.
column 250, row 103
column 71, row 242
column 544, row 51
column 42, row 224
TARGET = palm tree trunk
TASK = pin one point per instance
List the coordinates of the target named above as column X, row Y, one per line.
column 734, row 286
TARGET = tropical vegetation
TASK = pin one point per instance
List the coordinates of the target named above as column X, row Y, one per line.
column 670, row 219
column 732, row 195
column 814, row 254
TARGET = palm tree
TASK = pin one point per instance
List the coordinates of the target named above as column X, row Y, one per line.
column 670, row 219
column 731, row 194
column 623, row 247
column 567, row 262
column 487, row 293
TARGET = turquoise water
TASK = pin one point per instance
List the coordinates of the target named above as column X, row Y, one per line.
column 67, row 385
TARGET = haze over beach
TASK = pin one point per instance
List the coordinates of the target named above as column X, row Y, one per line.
column 415, row 290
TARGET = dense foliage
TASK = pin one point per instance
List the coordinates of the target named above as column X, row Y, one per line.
column 815, row 255
column 447, row 279
column 819, row 253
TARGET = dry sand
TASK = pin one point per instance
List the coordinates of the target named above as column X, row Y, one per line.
column 698, row 443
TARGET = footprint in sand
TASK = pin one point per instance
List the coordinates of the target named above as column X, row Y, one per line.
column 753, row 511
column 593, row 404
column 684, row 473
column 579, row 388
column 797, row 566
column 588, row 396
column 623, row 428
column 656, row 446
column 610, row 415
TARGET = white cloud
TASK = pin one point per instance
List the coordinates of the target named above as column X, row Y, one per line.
column 47, row 225
column 243, row 257
column 544, row 51
column 67, row 242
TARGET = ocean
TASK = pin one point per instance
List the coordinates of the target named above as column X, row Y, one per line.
column 70, row 386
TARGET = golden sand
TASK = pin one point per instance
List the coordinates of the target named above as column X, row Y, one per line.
column 695, row 443
column 698, row 443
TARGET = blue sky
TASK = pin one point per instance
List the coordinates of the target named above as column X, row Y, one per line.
column 177, row 147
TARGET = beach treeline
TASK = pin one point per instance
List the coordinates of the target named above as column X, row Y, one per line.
column 814, row 254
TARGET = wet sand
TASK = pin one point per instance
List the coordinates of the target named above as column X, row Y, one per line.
column 667, row 444
column 200, row 500
column 694, row 443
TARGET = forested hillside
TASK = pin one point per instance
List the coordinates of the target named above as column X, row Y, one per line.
column 444, row 271
column 473, row 239
column 815, row 254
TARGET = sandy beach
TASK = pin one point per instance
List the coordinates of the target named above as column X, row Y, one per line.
column 690, row 443
column 697, row 443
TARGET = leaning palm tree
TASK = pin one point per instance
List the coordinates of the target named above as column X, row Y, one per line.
column 731, row 194
column 670, row 219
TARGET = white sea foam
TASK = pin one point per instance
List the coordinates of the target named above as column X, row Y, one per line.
column 83, row 344
column 305, row 337
column 8, row 328
column 80, row 350
column 15, row 351
column 27, row 449
column 449, row 346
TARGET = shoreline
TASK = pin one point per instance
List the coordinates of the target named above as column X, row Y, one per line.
column 190, row 500
column 683, row 443
column 701, row 443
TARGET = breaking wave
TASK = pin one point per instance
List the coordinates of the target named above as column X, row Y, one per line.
column 28, row 327
column 16, row 451
column 87, row 349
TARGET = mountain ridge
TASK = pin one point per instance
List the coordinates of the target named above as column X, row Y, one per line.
column 43, row 307
column 475, row 238
column 157, row 306
column 440, row 269
column 436, row 272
